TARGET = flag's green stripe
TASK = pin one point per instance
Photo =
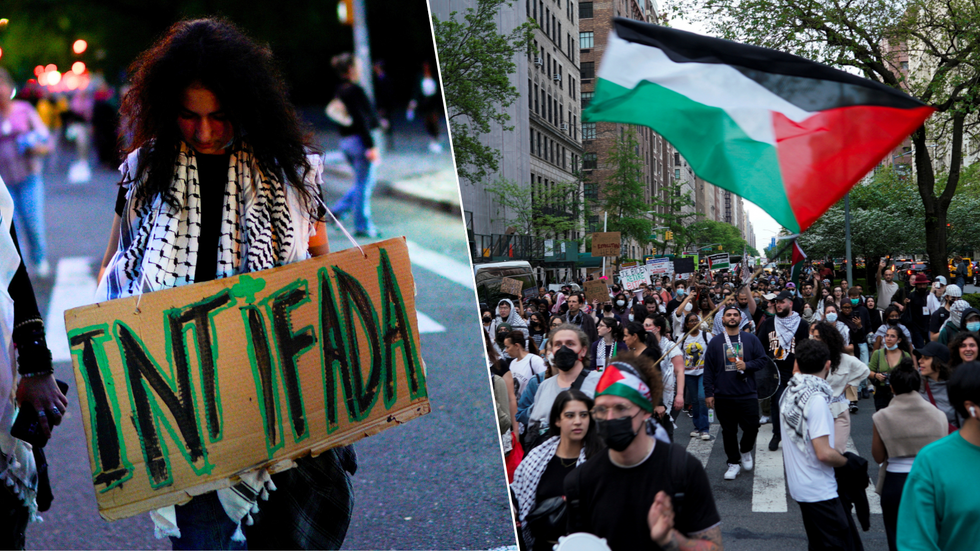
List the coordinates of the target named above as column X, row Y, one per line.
column 718, row 150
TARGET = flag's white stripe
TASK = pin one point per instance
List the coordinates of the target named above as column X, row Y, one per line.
column 874, row 500
column 746, row 102
column 429, row 325
column 768, row 482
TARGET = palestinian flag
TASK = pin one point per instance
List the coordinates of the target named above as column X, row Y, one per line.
column 788, row 134
column 797, row 261
column 619, row 379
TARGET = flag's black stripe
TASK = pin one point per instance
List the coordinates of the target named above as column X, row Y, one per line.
column 804, row 83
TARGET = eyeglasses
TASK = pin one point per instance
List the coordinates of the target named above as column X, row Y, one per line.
column 620, row 410
column 572, row 414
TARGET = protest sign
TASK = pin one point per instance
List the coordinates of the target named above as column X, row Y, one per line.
column 511, row 286
column 606, row 244
column 183, row 388
column 684, row 265
column 659, row 266
column 596, row 290
column 718, row 261
column 631, row 278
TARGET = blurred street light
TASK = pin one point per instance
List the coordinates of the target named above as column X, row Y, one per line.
column 79, row 46
column 78, row 67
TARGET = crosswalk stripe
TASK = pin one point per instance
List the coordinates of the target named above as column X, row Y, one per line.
column 874, row 500
column 768, row 482
column 74, row 286
column 440, row 264
column 429, row 325
column 701, row 449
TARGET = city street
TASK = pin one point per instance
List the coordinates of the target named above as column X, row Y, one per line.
column 437, row 482
column 756, row 509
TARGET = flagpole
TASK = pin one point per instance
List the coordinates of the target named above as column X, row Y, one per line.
column 847, row 237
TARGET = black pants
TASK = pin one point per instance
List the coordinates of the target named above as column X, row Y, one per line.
column 829, row 527
column 891, row 496
column 774, row 404
column 13, row 520
column 735, row 413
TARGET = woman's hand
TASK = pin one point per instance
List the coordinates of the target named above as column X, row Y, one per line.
column 43, row 393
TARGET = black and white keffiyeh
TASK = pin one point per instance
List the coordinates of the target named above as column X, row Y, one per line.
column 792, row 406
column 158, row 242
column 528, row 476
column 786, row 330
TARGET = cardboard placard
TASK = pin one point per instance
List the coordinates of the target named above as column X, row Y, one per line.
column 606, row 243
column 201, row 382
column 632, row 278
column 659, row 266
column 530, row 293
column 684, row 265
column 596, row 290
column 511, row 286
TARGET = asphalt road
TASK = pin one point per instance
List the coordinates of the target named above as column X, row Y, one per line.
column 748, row 504
column 435, row 482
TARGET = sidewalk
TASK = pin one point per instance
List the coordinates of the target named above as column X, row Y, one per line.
column 409, row 171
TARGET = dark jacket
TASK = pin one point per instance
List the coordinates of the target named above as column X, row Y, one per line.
column 770, row 343
column 587, row 324
column 728, row 383
column 852, row 483
column 620, row 348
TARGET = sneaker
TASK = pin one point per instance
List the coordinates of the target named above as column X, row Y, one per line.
column 43, row 269
column 705, row 436
column 774, row 444
column 763, row 420
column 854, row 407
column 732, row 471
column 690, row 414
column 695, row 434
column 747, row 461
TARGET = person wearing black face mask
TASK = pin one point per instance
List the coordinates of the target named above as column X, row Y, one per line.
column 916, row 312
column 570, row 348
column 487, row 319
column 633, row 510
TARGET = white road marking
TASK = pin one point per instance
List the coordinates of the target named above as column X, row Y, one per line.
column 874, row 500
column 769, row 482
column 702, row 448
column 441, row 264
column 429, row 325
column 74, row 286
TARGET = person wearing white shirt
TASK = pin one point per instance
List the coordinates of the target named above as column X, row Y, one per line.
column 524, row 364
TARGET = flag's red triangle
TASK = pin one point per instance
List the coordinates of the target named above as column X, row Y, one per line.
column 610, row 376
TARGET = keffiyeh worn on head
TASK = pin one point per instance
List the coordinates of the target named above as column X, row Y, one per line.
column 515, row 320
column 793, row 404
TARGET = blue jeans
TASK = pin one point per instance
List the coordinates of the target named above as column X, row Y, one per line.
column 204, row 524
column 28, row 196
column 358, row 197
column 694, row 389
column 863, row 352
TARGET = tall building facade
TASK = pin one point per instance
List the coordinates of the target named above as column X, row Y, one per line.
column 599, row 138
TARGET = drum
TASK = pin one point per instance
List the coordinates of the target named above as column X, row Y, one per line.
column 767, row 379
column 581, row 541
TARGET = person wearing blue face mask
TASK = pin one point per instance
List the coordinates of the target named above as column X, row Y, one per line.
column 831, row 314
column 680, row 291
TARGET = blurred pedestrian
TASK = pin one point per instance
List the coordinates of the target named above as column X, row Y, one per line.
column 427, row 101
column 209, row 181
column 23, row 141
column 357, row 144
column 24, row 487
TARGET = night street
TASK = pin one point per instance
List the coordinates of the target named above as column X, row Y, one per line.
column 437, row 482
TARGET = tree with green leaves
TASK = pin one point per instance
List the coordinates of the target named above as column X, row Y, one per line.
column 538, row 210
column 476, row 62
column 714, row 233
column 940, row 40
column 623, row 194
column 673, row 218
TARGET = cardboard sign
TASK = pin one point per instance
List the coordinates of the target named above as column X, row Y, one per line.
column 183, row 388
column 606, row 244
column 684, row 265
column 511, row 286
column 530, row 293
column 718, row 261
column 632, row 278
column 596, row 290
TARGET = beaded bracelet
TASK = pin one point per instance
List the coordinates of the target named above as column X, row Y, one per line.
column 28, row 322
column 37, row 374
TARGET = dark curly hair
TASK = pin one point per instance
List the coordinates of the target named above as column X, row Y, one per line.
column 242, row 75
column 830, row 336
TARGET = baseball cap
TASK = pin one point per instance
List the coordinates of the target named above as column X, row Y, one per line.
column 941, row 280
column 934, row 350
column 784, row 295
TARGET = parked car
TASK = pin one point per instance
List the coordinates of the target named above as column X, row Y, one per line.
column 489, row 276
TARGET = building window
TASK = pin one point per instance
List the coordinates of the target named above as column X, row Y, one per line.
column 561, row 84
column 571, row 89
column 588, row 130
column 588, row 70
column 677, row 158
column 587, row 98
column 592, row 191
column 677, row 174
column 585, row 10
column 590, row 161
column 532, row 141
column 536, row 105
column 586, row 39
column 905, row 65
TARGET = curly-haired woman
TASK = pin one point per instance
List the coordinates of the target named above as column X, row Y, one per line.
column 219, row 181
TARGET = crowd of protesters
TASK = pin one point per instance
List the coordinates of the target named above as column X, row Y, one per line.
column 595, row 387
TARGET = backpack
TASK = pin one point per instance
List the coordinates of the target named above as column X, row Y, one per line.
column 677, row 484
